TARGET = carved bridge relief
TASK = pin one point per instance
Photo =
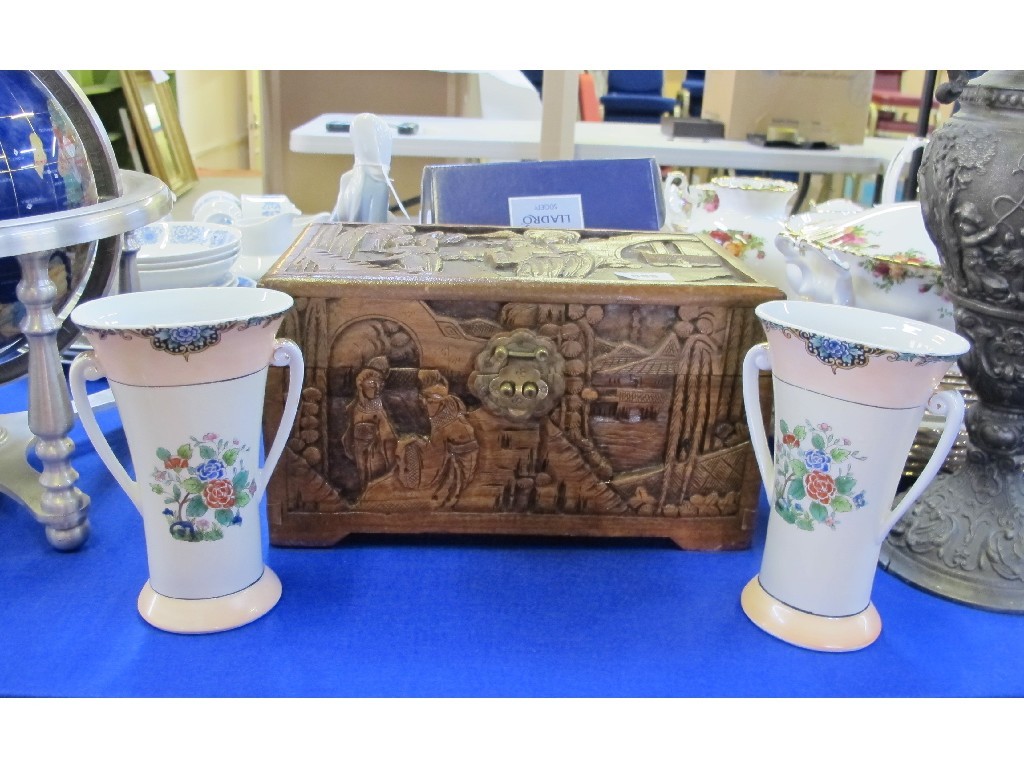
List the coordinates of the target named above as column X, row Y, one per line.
column 508, row 407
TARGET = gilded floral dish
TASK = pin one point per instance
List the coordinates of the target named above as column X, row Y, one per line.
column 882, row 259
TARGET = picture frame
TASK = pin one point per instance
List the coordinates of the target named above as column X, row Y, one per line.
column 154, row 114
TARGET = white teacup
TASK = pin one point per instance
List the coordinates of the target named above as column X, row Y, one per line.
column 217, row 207
column 218, row 212
column 257, row 206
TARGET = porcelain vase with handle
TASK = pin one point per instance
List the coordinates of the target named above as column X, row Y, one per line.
column 850, row 387
column 187, row 369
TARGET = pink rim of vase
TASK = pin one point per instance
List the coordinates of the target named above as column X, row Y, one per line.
column 180, row 308
column 867, row 329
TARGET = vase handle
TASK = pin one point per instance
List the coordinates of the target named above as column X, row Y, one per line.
column 949, row 403
column 891, row 178
column 286, row 352
column 86, row 368
column 757, row 360
column 675, row 190
column 800, row 276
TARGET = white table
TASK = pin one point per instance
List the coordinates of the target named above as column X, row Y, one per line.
column 489, row 139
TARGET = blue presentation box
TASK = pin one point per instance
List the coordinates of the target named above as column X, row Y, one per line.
column 569, row 194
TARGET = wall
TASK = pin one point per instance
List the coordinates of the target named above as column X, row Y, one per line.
column 212, row 106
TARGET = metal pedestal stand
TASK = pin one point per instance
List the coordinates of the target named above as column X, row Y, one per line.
column 51, row 495
column 964, row 538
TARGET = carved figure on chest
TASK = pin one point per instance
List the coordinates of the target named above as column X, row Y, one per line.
column 370, row 439
column 446, row 461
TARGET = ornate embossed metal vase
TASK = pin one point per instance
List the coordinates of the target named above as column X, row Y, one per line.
column 964, row 539
column 188, row 368
column 850, row 387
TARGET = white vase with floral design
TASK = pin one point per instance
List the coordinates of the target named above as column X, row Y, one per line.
column 187, row 368
column 850, row 387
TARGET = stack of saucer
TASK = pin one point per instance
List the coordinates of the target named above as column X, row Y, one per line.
column 185, row 254
column 269, row 225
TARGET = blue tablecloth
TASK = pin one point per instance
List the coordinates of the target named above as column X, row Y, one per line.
column 385, row 616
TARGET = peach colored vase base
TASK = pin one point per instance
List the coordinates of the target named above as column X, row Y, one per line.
column 211, row 614
column 808, row 630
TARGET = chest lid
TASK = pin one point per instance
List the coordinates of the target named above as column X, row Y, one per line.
column 413, row 261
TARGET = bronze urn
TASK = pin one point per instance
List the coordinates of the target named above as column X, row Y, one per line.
column 964, row 539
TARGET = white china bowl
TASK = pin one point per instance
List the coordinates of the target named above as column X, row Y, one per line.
column 174, row 241
column 265, row 241
column 256, row 206
column 191, row 262
column 881, row 259
column 254, row 267
column 271, row 236
column 211, row 273
column 215, row 195
column 267, row 235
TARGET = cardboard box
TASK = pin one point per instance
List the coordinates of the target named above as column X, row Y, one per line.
column 822, row 105
column 583, row 194
column 516, row 381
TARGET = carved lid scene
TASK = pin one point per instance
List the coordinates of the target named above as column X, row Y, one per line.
column 432, row 252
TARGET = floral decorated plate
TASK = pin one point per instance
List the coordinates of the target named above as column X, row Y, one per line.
column 893, row 233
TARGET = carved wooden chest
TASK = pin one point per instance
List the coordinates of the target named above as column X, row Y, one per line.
column 542, row 382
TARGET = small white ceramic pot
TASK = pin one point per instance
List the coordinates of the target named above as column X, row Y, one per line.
column 187, row 369
column 850, row 387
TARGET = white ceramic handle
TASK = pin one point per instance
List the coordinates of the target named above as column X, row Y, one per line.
column 949, row 403
column 890, row 181
column 286, row 352
column 808, row 283
column 675, row 179
column 799, row 275
column 842, row 288
column 757, row 359
column 675, row 190
column 86, row 368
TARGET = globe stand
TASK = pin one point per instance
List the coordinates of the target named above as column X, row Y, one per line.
column 51, row 495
